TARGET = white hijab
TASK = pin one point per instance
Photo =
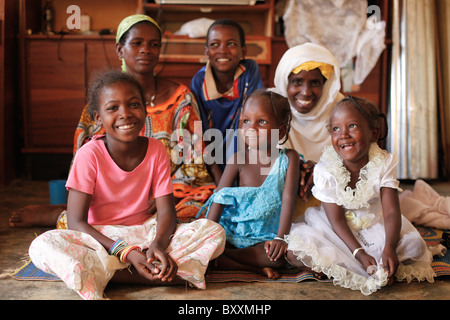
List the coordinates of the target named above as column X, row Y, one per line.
column 309, row 133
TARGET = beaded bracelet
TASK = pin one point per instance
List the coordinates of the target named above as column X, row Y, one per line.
column 126, row 251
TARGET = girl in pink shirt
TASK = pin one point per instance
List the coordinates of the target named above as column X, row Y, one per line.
column 111, row 182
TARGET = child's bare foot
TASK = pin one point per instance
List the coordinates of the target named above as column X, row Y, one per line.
column 292, row 260
column 36, row 216
column 317, row 275
column 270, row 273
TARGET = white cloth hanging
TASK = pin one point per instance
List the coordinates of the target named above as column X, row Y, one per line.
column 342, row 27
column 309, row 133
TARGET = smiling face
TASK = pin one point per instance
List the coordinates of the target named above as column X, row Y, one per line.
column 351, row 135
column 224, row 48
column 141, row 48
column 121, row 111
column 305, row 89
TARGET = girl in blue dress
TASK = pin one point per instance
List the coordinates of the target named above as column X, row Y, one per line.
column 255, row 198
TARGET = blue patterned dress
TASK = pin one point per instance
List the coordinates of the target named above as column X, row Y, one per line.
column 252, row 214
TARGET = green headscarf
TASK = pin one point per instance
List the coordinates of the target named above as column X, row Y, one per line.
column 127, row 23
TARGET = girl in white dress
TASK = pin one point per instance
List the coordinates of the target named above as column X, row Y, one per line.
column 358, row 236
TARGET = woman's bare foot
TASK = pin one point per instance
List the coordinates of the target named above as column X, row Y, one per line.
column 36, row 216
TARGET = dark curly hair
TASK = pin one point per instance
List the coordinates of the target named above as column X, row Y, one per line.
column 368, row 110
column 104, row 79
column 231, row 23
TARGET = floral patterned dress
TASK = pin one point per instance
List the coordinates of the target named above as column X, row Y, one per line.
column 86, row 266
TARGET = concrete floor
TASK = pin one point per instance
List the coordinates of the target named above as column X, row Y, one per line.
column 14, row 246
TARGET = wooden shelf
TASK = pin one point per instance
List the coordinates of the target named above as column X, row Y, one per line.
column 257, row 20
column 175, row 48
column 193, row 50
column 205, row 8
column 56, row 69
column 70, row 36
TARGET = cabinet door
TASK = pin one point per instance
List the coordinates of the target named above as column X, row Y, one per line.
column 101, row 54
column 56, row 94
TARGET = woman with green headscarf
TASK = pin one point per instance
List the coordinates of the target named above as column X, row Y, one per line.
column 171, row 113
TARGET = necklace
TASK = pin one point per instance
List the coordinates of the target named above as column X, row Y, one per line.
column 354, row 198
column 153, row 97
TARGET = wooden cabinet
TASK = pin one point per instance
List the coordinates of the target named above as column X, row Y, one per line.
column 256, row 20
column 57, row 73
column 9, row 106
column 56, row 69
column 182, row 57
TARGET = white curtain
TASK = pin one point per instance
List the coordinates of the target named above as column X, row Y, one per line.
column 443, row 21
column 342, row 27
column 413, row 103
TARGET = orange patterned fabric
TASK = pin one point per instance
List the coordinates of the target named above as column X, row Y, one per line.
column 176, row 123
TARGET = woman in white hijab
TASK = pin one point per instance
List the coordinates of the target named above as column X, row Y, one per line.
column 309, row 76
column 310, row 113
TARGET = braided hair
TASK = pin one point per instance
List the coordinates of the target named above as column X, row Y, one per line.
column 369, row 111
column 280, row 106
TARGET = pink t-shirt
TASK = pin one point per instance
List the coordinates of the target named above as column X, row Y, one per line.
column 120, row 197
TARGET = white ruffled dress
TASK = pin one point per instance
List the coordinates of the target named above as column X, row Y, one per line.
column 315, row 243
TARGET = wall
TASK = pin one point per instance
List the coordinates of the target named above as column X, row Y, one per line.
column 9, row 108
column 443, row 9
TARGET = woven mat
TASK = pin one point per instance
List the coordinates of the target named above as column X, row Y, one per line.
column 30, row 272
column 245, row 276
column 440, row 265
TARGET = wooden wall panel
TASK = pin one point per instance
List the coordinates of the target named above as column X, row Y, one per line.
column 56, row 78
